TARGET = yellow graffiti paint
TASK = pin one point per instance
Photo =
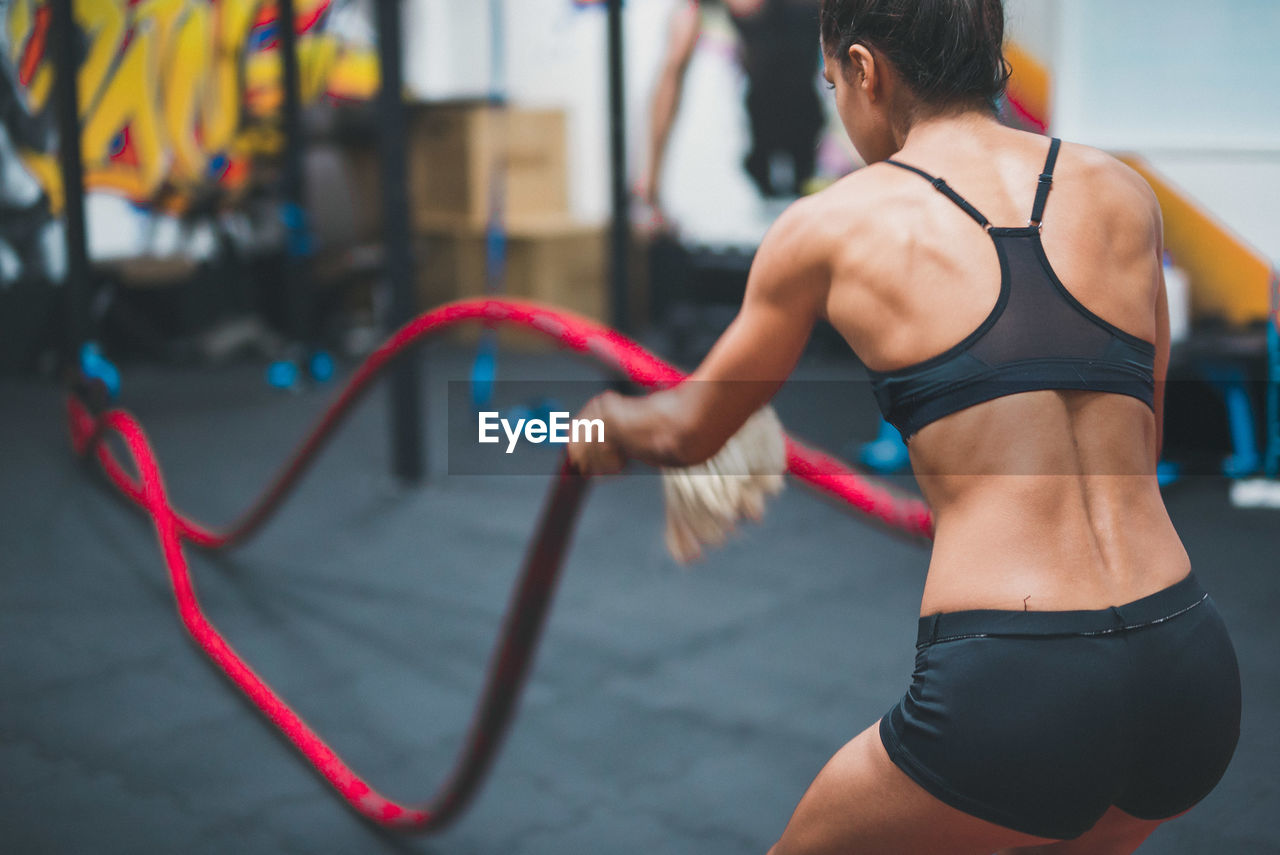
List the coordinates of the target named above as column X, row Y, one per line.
column 355, row 76
column 18, row 23
column 21, row 24
column 183, row 98
column 317, row 58
column 220, row 115
column 104, row 22
column 182, row 86
column 120, row 110
column 315, row 62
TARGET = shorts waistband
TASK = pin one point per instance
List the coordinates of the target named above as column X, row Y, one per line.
column 1158, row 607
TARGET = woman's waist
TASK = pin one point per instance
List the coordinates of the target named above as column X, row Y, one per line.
column 1014, row 557
column 1164, row 604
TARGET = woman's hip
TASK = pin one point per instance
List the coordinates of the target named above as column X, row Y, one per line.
column 1041, row 721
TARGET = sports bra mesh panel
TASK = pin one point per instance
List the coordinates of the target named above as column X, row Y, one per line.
column 1037, row 337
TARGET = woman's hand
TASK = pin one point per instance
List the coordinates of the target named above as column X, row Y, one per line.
column 648, row 215
column 688, row 423
column 597, row 458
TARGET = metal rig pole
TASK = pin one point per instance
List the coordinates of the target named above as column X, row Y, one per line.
column 407, row 434
column 620, row 231
column 1272, row 465
column 292, row 189
column 76, row 321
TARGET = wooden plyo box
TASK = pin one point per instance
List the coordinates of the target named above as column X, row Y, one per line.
column 455, row 150
column 559, row 263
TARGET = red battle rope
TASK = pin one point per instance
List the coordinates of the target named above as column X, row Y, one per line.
column 531, row 600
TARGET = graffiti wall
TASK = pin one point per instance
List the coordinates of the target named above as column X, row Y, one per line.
column 178, row 100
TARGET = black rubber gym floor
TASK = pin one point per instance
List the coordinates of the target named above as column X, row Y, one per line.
column 670, row 711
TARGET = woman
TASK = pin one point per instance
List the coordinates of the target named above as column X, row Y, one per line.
column 784, row 112
column 1073, row 687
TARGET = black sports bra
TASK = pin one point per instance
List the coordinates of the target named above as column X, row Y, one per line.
column 1038, row 336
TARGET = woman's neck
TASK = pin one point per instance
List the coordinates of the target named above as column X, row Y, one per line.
column 943, row 130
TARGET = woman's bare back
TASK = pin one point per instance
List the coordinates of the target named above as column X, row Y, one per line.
column 1044, row 500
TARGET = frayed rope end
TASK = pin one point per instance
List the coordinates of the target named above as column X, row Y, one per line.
column 705, row 502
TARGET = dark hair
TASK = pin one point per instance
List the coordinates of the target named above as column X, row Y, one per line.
column 948, row 52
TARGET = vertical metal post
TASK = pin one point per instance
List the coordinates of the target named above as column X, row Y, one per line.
column 292, row 190
column 407, row 440
column 76, row 321
column 620, row 231
column 1272, row 463
column 484, row 369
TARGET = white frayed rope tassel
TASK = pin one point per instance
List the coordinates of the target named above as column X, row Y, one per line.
column 705, row 502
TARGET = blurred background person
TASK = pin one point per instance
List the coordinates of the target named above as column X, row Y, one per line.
column 777, row 52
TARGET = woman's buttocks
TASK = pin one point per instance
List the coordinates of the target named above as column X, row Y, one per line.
column 1136, row 705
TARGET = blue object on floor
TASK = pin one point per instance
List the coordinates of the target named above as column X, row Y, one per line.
column 298, row 242
column 321, row 366
column 1231, row 382
column 95, row 366
column 887, row 453
column 484, row 371
column 282, row 374
column 1245, row 460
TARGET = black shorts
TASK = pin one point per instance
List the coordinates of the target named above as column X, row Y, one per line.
column 1041, row 721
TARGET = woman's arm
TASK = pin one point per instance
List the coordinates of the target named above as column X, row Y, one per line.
column 785, row 295
column 681, row 41
column 1162, row 338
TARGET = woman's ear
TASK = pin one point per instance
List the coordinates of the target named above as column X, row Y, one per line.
column 865, row 71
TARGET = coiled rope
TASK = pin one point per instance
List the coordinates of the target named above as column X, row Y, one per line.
column 535, row 586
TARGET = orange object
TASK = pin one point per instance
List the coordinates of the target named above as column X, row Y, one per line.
column 1229, row 278
column 1030, row 87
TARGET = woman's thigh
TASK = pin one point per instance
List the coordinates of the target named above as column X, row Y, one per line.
column 1116, row 833
column 862, row 803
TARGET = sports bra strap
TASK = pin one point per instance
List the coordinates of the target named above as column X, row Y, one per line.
column 945, row 189
column 1046, row 182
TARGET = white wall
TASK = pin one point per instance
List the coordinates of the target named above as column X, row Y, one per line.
column 1192, row 86
column 1034, row 25
column 1171, row 75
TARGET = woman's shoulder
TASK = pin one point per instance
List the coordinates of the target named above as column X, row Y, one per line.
column 1118, row 194
column 834, row 226
column 1105, row 174
column 853, row 206
column 869, row 207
